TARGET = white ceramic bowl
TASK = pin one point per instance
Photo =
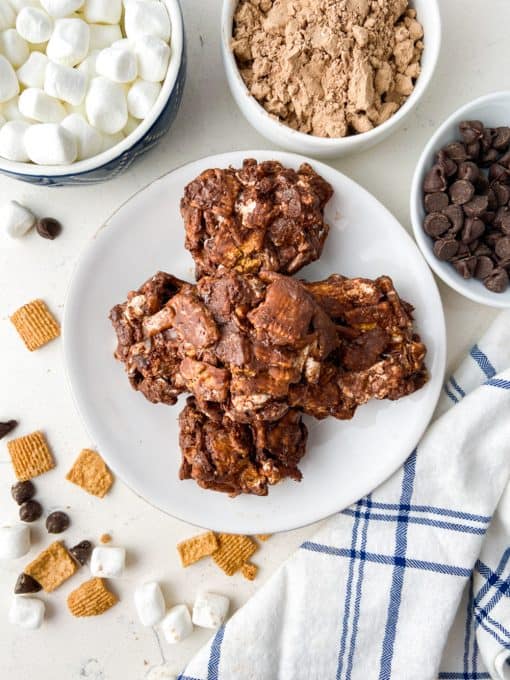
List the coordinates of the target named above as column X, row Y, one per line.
column 282, row 135
column 493, row 110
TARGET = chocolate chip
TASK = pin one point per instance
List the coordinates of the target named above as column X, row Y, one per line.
column 435, row 180
column 488, row 158
column 486, row 139
column 461, row 191
column 504, row 224
column 30, row 511
column 488, row 217
column 482, row 249
column 471, row 130
column 476, row 206
column 473, row 150
column 445, row 248
column 473, row 245
column 57, row 522
column 492, row 237
column 456, row 216
column 47, row 227
column 435, row 202
column 501, row 193
column 482, row 184
column 473, row 229
column 26, row 584
column 466, row 267
column 484, row 267
column 500, row 215
column 446, row 164
column 505, row 160
column 469, row 171
column 501, row 139
column 498, row 173
column 497, row 281
column 22, row 491
column 81, row 552
column 436, row 224
column 7, row 427
column 502, row 248
column 456, row 151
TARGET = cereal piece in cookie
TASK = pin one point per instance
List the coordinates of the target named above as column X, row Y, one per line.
column 249, row 571
column 30, row 456
column 197, row 547
column 35, row 324
column 233, row 552
column 52, row 567
column 90, row 472
column 92, row 598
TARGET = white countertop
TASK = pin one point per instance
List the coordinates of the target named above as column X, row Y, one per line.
column 33, row 389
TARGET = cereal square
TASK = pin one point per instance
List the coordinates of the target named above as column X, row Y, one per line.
column 35, row 324
column 52, row 567
column 233, row 552
column 30, row 456
column 90, row 472
column 197, row 547
column 92, row 598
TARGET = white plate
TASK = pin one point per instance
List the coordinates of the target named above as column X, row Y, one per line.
column 345, row 460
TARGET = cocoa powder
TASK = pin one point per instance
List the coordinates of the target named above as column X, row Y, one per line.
column 328, row 67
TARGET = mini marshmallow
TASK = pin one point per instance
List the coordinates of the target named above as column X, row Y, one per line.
column 142, row 97
column 177, row 625
column 103, row 11
column 15, row 539
column 69, row 42
column 14, row 47
column 103, row 36
column 88, row 65
column 149, row 603
column 33, row 71
column 12, row 147
column 111, row 140
column 7, row 15
column 117, row 64
column 88, row 139
column 107, row 562
column 33, row 24
column 50, row 144
column 153, row 55
column 37, row 105
column 10, row 110
column 106, row 105
column 9, row 85
column 147, row 17
column 210, row 610
column 61, row 8
column 27, row 612
column 65, row 83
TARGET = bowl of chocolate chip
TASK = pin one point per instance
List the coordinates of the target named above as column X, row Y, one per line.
column 329, row 78
column 460, row 201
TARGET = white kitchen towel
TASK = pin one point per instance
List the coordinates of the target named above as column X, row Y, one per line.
column 410, row 583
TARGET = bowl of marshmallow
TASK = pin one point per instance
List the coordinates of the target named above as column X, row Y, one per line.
column 86, row 86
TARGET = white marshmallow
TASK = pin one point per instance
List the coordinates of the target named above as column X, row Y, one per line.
column 112, row 140
column 88, row 65
column 103, row 36
column 65, row 83
column 106, row 105
column 15, row 539
column 34, row 25
column 61, row 8
column 153, row 55
column 142, row 97
column 177, row 625
column 7, row 15
column 210, row 610
column 14, row 47
column 147, row 17
column 19, row 4
column 9, row 86
column 107, row 562
column 88, row 139
column 12, row 142
column 37, row 105
column 50, row 144
column 10, row 110
column 117, row 64
column 149, row 603
column 130, row 126
column 69, row 42
column 103, row 11
column 27, row 612
column 33, row 71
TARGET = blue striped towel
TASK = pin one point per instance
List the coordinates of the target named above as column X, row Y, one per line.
column 413, row 581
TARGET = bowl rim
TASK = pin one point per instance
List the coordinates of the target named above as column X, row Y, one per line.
column 105, row 157
column 327, row 143
column 442, row 270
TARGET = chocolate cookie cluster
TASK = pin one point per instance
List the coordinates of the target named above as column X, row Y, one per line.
column 467, row 201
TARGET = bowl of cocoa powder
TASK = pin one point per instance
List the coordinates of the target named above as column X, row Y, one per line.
column 327, row 78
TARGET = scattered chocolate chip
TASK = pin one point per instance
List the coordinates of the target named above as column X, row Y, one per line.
column 484, row 267
column 501, row 193
column 57, row 522
column 461, row 191
column 471, row 130
column 446, row 248
column 82, row 552
column 435, row 202
column 476, row 206
column 48, row 227
column 497, row 281
column 501, row 139
column 456, row 216
column 22, row 491
column 435, row 180
column 473, row 229
column 30, row 511
column 466, row 267
column 469, row 171
column 456, row 151
column 502, row 248
column 7, row 427
column 26, row 584
column 436, row 224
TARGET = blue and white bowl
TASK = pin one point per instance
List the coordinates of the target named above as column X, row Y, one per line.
column 116, row 160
